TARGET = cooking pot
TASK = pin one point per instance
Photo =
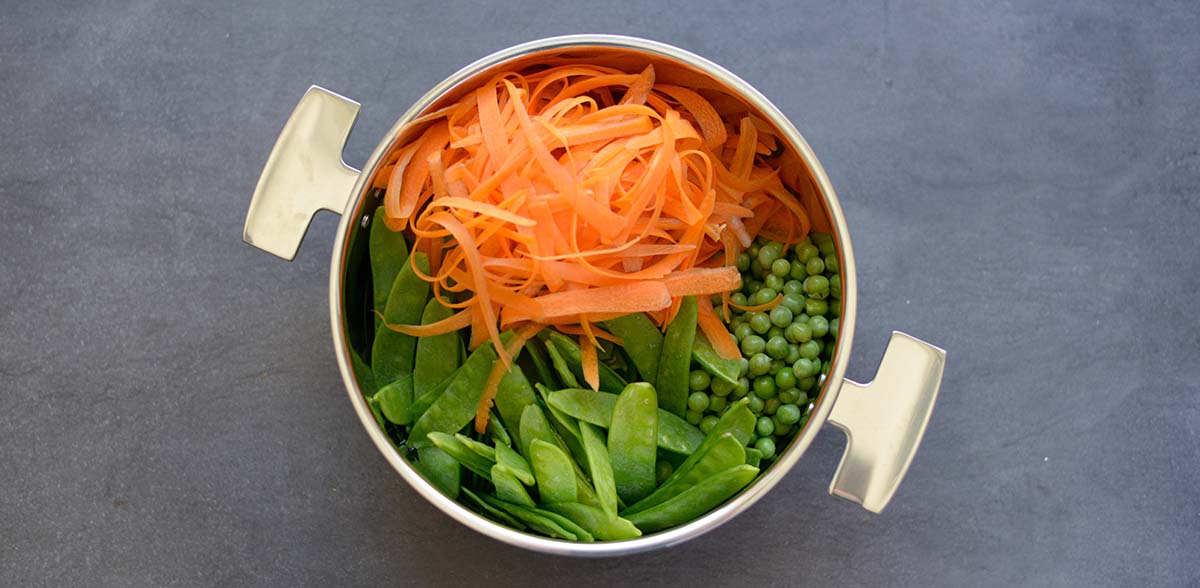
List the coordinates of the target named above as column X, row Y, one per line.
column 884, row 420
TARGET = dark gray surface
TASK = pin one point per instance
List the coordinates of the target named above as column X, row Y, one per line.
column 1020, row 181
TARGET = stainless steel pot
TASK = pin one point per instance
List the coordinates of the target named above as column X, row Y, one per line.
column 884, row 420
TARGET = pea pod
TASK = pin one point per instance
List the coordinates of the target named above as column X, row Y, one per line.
column 493, row 512
column 753, row 457
column 695, row 501
column 483, row 449
column 516, row 465
column 508, row 488
column 704, row 354
column 422, row 403
column 725, row 453
column 395, row 400
column 674, row 364
column 393, row 353
column 610, row 381
column 597, row 522
column 567, row 428
column 632, row 440
column 641, row 340
column 737, row 421
column 554, row 473
column 440, row 469
column 362, row 374
column 674, row 433
column 376, row 412
column 533, row 518
column 436, row 355
column 600, row 467
column 535, row 426
column 513, row 394
column 462, row 454
column 389, row 252
column 496, row 429
column 541, row 363
column 565, row 375
column 456, row 406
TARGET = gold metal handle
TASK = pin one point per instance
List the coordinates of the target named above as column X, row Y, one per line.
column 885, row 420
column 304, row 173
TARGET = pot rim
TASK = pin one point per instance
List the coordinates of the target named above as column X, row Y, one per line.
column 734, row 506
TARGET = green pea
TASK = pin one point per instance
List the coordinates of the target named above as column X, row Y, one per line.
column 789, row 395
column 801, row 400
column 743, row 366
column 776, row 365
column 698, row 402
column 756, row 268
column 781, row 316
column 776, row 347
column 708, row 423
column 806, row 253
column 798, row 332
column 743, row 262
column 717, row 405
column 742, row 388
column 835, row 308
column 753, row 250
column 793, row 354
column 816, row 286
column 781, row 267
column 766, row 447
column 763, row 296
column 805, row 367
column 819, row 325
column 785, row 378
column 738, row 298
column 770, row 405
column 752, row 345
column 788, row 414
column 760, row 363
column 773, row 282
column 835, row 286
column 764, row 387
column 792, row 287
column 663, row 470
column 774, row 332
column 810, row 350
column 815, row 307
column 764, row 427
column 693, row 417
column 794, row 302
column 699, row 380
column 781, row 429
column 807, row 384
column 760, row 323
column 767, row 256
column 798, row 271
column 826, row 247
column 831, row 263
column 755, row 404
column 833, row 327
column 815, row 266
column 721, row 388
column 742, row 331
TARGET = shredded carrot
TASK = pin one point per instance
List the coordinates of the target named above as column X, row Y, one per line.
column 499, row 369
column 572, row 194
column 759, row 307
column 715, row 331
column 591, row 363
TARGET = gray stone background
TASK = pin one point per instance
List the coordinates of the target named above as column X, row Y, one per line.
column 1020, row 179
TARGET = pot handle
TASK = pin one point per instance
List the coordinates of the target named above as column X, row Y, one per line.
column 885, row 420
column 304, row 173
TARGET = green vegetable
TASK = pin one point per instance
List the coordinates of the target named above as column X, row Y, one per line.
column 532, row 517
column 674, row 434
column 632, row 438
column 675, row 361
column 483, row 449
column 766, row 447
column 513, row 394
column 389, row 254
column 535, row 426
column 610, row 381
column 494, row 512
column 641, row 341
column 440, row 469
column 422, row 403
column 565, row 375
column 437, row 355
column 553, row 471
column 393, row 353
column 600, row 467
column 395, row 400
column 508, row 488
column 362, row 374
column 456, row 406
column 694, row 501
column 600, row 524
column 541, row 363
column 753, row 457
column 462, row 454
column 509, row 459
column 724, row 369
column 726, row 452
column 496, row 429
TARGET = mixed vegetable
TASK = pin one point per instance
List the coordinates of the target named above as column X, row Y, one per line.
column 600, row 307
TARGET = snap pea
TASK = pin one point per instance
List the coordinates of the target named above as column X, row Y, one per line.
column 641, row 340
column 493, row 512
column 440, row 469
column 496, row 430
column 706, row 356
column 513, row 394
column 422, row 403
column 508, row 488
column 600, row 467
column 483, row 449
column 568, row 524
column 632, row 440
column 738, row 421
column 509, row 459
column 462, row 454
column 362, row 374
column 456, row 406
column 695, row 501
column 674, row 363
column 610, row 381
column 753, row 456
column 596, row 521
column 392, row 353
column 436, row 355
column 560, row 366
column 395, row 400
column 553, row 471
column 674, row 434
column 541, row 363
column 535, row 426
column 532, row 517
column 566, row 427
column 725, row 453
column 376, row 412
column 389, row 254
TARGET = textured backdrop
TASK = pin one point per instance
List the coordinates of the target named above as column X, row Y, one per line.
column 1020, row 180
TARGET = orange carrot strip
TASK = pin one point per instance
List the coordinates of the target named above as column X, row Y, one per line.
column 708, row 321
column 759, row 307
column 698, row 281
column 591, row 363
column 457, row 321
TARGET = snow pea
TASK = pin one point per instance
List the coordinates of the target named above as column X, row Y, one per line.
column 362, row 374
column 389, row 252
column 554, row 472
column 567, row 428
column 541, row 363
column 462, row 454
column 753, row 456
column 508, row 488
column 725, row 453
column 674, row 433
column 632, row 441
column 395, row 400
column 695, row 501
column 376, row 412
column 456, row 406
column 437, row 355
column 641, row 340
column 493, row 512
column 496, row 429
column 531, row 517
column 610, row 381
column 600, row 467
column 422, row 403
column 483, row 449
column 509, row 459
column 560, row 366
column 392, row 353
column 674, row 363
column 440, row 469
column 513, row 394
column 597, row 522
column 535, row 426
column 704, row 354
